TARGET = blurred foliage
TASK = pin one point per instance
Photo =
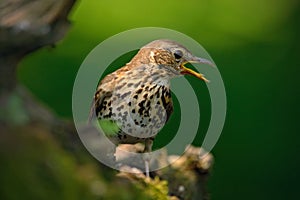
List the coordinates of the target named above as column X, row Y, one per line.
column 38, row 168
column 256, row 47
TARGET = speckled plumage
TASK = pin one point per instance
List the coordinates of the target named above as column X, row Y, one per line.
column 137, row 96
column 140, row 108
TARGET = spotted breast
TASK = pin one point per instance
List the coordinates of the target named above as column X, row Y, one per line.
column 138, row 102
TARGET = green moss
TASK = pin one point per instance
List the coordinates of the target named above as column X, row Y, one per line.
column 155, row 189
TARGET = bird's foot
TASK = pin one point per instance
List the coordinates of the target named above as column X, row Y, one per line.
column 147, row 158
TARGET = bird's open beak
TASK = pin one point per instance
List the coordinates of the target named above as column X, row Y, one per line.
column 185, row 70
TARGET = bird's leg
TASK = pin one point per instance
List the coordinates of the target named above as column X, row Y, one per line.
column 146, row 155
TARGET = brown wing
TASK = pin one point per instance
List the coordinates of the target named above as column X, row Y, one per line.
column 105, row 90
column 167, row 102
column 97, row 104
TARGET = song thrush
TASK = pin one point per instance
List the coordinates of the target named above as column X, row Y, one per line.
column 135, row 101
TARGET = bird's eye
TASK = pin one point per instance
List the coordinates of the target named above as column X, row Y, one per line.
column 178, row 54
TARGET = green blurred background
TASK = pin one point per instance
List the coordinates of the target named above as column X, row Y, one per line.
column 255, row 45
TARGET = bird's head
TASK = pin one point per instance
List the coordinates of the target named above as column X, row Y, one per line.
column 173, row 56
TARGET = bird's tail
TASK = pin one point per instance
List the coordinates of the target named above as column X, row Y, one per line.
column 92, row 114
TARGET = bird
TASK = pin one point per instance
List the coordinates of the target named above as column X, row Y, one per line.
column 135, row 101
